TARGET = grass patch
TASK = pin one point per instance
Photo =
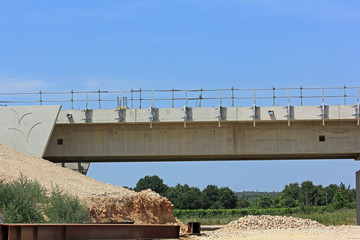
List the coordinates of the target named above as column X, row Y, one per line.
column 336, row 218
column 328, row 218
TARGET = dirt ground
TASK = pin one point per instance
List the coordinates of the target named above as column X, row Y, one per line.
column 325, row 233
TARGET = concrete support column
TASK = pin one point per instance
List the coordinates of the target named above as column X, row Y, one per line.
column 358, row 196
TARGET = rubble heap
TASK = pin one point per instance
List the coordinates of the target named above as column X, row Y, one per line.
column 143, row 207
column 271, row 222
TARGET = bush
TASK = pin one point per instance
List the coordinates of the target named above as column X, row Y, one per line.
column 21, row 201
column 25, row 201
column 305, row 208
column 63, row 208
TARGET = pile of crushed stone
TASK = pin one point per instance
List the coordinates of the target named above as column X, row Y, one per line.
column 271, row 222
column 105, row 202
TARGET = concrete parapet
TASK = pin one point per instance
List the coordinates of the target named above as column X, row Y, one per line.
column 230, row 114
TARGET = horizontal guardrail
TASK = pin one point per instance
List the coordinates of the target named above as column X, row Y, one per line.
column 140, row 98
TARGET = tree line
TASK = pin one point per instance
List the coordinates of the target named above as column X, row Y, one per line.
column 302, row 195
column 308, row 194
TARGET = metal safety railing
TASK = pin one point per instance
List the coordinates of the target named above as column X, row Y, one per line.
column 227, row 97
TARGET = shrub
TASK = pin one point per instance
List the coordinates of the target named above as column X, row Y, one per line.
column 63, row 208
column 25, row 201
column 21, row 201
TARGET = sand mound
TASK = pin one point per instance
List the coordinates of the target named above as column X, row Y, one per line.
column 106, row 202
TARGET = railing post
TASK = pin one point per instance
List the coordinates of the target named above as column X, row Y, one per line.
column 254, row 97
column 232, row 96
column 344, row 95
column 220, row 96
column 99, row 99
column 288, row 95
column 140, row 98
column 72, row 99
column 120, row 99
column 172, row 98
column 358, row 107
column 153, row 98
column 273, row 96
column 41, row 97
column 87, row 99
column 301, row 95
column 288, row 107
column 254, row 109
column 186, row 97
column 323, row 106
column 132, row 99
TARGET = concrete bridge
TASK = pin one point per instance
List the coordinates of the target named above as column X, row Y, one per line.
column 74, row 138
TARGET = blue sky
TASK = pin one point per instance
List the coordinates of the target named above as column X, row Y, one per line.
column 158, row 44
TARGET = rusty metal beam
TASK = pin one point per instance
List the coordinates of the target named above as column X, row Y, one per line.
column 87, row 231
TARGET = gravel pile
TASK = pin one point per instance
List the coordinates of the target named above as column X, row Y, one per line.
column 106, row 202
column 271, row 222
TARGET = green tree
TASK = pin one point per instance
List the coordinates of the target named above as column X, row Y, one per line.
column 289, row 196
column 342, row 197
column 242, row 203
column 209, row 197
column 191, row 198
column 329, row 193
column 265, row 201
column 227, row 198
column 318, row 196
column 154, row 183
column 184, row 197
column 173, row 194
column 308, row 193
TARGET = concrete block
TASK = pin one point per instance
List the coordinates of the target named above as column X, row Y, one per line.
column 307, row 112
column 171, row 114
column 244, row 114
column 347, row 112
column 205, row 114
column 231, row 113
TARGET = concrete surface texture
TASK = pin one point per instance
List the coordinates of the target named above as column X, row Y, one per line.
column 27, row 129
column 204, row 141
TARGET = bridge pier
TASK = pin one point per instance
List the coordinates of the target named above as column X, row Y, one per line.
column 358, row 197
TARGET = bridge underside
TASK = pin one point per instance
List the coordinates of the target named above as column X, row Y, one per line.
column 203, row 141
